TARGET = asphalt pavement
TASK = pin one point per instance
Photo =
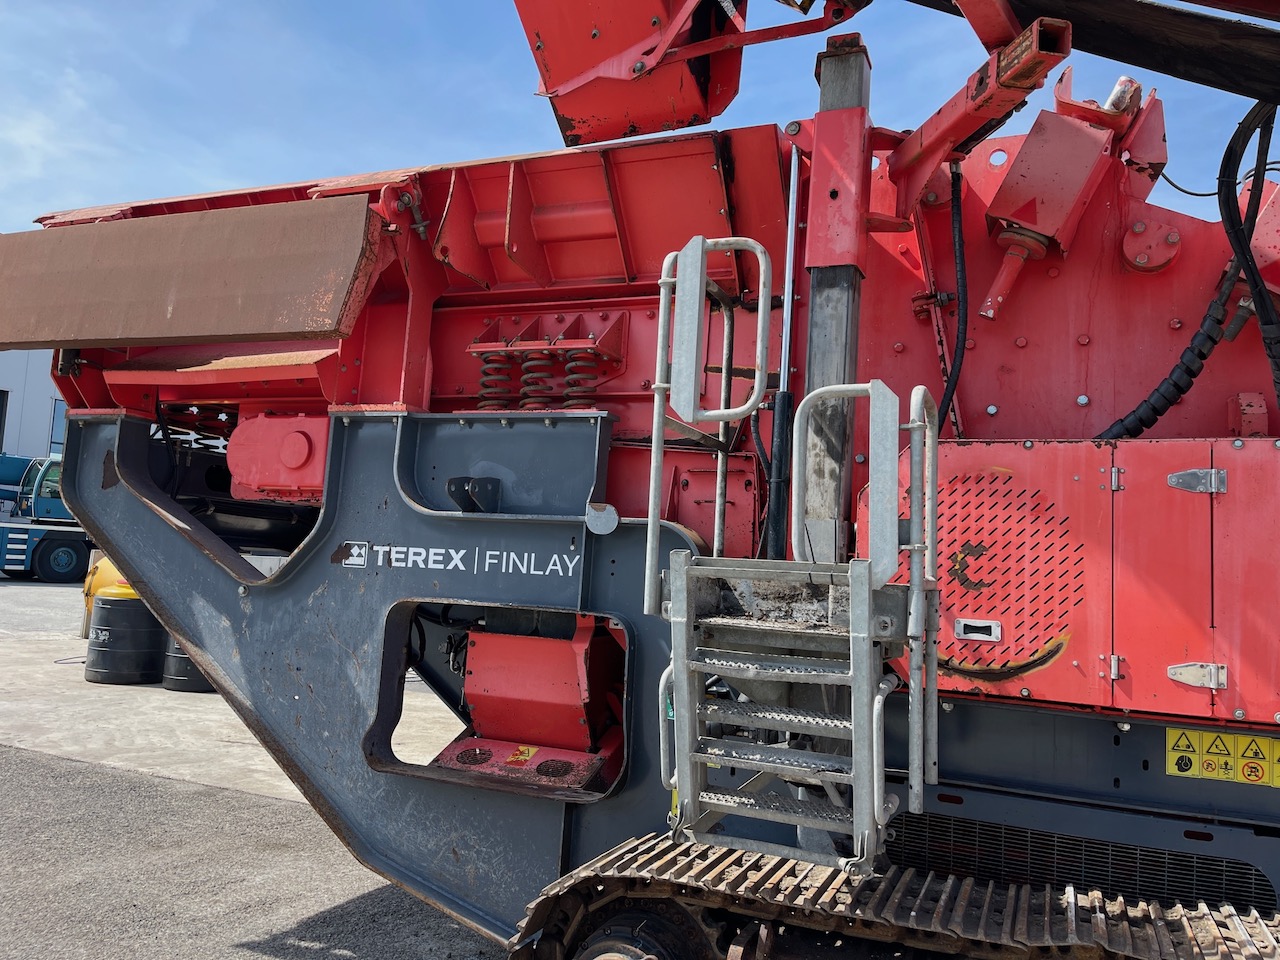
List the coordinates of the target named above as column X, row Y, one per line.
column 140, row 823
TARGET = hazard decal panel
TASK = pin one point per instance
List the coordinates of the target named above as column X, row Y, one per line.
column 1217, row 755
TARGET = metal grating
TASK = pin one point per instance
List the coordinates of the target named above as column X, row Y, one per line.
column 1005, row 854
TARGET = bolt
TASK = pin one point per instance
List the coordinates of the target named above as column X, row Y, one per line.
column 884, row 624
column 242, row 590
column 638, row 67
column 1083, row 339
column 646, row 384
column 793, row 128
column 930, row 197
column 1082, row 400
column 1054, row 271
column 655, row 22
column 1237, row 444
column 1140, row 259
column 595, row 34
column 948, row 707
column 1276, row 718
column 1172, row 237
column 1020, row 342
column 899, row 347
column 860, row 458
column 1024, row 692
column 1027, row 444
column 969, row 344
column 1124, row 726
column 1175, row 324
column 1239, row 714
column 992, row 410
column 1139, row 227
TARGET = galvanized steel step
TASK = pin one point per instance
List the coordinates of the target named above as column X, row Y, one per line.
column 760, row 716
column 780, row 761
column 819, row 814
column 747, row 666
column 749, row 632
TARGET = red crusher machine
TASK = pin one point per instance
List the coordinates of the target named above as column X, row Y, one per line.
column 629, row 452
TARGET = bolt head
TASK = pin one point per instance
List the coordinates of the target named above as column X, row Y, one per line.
column 930, row 197
column 1172, row 237
column 793, row 128
column 1139, row 227
column 1082, row 400
column 899, row 347
column 1276, row 718
column 1239, row 714
column 1175, row 324
column 948, row 707
column 1083, row 339
column 1020, row 342
column 1140, row 259
column 638, row 67
column 242, row 590
column 1237, row 444
column 1024, row 692
column 992, row 410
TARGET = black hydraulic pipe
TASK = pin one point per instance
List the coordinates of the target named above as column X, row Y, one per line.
column 780, row 461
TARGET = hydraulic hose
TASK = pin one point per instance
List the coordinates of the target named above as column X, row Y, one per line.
column 1240, row 234
column 962, row 295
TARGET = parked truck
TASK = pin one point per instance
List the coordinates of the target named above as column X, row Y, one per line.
column 39, row 537
column 630, row 453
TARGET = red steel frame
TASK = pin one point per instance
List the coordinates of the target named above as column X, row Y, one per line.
column 497, row 261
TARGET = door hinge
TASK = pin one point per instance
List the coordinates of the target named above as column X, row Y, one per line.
column 1203, row 480
column 1211, row 675
column 1116, row 485
column 1116, row 660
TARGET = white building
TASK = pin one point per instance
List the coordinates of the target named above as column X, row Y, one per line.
column 32, row 415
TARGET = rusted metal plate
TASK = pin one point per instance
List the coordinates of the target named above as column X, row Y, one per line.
column 274, row 272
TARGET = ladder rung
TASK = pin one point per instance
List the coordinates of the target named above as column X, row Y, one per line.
column 759, row 716
column 819, row 814
column 746, row 631
column 745, row 666
column 784, row 571
column 780, row 761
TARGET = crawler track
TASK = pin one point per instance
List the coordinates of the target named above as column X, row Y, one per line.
column 946, row 914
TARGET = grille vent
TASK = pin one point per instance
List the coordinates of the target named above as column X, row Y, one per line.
column 1009, row 554
column 1005, row 854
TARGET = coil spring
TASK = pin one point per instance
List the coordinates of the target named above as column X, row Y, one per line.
column 495, row 381
column 580, row 376
column 535, row 380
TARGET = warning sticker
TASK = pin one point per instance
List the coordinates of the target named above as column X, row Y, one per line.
column 1207, row 755
column 521, row 755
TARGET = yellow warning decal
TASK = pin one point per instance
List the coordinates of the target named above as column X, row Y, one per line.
column 521, row 755
column 1209, row 755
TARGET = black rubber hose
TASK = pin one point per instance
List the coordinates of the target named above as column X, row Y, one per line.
column 779, row 477
column 757, row 441
column 1240, row 233
column 962, row 296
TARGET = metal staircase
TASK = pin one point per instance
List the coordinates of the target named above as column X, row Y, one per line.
column 780, row 669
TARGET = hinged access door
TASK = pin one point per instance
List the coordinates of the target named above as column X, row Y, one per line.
column 1246, row 595
column 1163, row 589
column 1025, row 570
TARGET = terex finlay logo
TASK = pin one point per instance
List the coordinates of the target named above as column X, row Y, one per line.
column 535, row 563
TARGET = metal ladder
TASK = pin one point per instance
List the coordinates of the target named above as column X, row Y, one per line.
column 798, row 650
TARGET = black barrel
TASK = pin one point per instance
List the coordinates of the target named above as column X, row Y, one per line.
column 126, row 643
column 180, row 673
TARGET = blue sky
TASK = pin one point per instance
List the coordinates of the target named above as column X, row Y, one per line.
column 135, row 99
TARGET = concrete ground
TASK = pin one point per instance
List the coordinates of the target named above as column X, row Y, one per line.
column 137, row 822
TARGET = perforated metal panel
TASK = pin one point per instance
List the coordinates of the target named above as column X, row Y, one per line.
column 1025, row 568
